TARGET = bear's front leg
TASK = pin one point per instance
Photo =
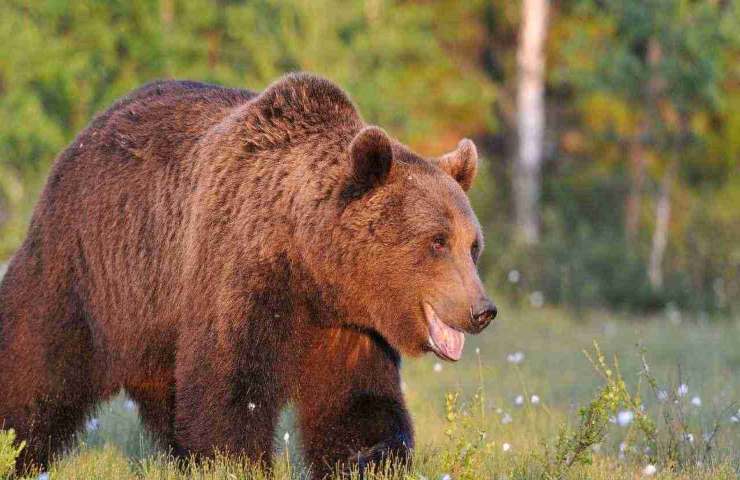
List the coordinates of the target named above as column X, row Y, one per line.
column 350, row 405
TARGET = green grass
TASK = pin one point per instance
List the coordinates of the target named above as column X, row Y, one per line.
column 464, row 435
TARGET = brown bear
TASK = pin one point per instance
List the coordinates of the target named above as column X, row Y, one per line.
column 218, row 253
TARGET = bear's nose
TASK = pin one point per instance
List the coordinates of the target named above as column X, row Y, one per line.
column 482, row 314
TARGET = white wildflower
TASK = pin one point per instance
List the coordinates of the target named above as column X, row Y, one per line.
column 506, row 419
column 437, row 367
column 735, row 419
column 43, row 476
column 537, row 299
column 535, row 399
column 286, row 437
column 673, row 314
column 251, row 406
column 649, row 470
column 519, row 400
column 92, row 425
column 689, row 437
column 515, row 358
column 446, row 476
column 696, row 401
column 506, row 447
column 682, row 390
column 662, row 395
column 625, row 417
column 514, row 276
column 477, row 350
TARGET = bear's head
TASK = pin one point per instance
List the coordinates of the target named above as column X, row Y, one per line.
column 413, row 242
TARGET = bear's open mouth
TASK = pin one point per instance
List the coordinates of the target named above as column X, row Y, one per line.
column 444, row 340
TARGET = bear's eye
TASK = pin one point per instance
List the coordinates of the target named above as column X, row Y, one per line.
column 475, row 251
column 439, row 243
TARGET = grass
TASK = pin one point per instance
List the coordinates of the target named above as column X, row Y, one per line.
column 528, row 405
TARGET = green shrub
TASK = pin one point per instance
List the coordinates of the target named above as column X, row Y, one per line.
column 9, row 452
column 584, row 259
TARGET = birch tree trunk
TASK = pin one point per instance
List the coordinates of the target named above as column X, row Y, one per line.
column 663, row 208
column 662, row 222
column 530, row 118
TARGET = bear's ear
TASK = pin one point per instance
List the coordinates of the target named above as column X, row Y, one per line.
column 461, row 164
column 371, row 154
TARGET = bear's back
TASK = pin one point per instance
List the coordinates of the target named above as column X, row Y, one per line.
column 162, row 120
column 140, row 136
column 116, row 198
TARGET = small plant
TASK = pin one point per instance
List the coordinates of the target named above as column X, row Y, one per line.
column 575, row 446
column 674, row 443
column 668, row 442
column 466, row 431
column 9, row 452
column 468, row 443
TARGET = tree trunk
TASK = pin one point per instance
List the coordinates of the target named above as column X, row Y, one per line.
column 637, row 179
column 167, row 12
column 530, row 118
column 662, row 221
column 652, row 91
column 663, row 207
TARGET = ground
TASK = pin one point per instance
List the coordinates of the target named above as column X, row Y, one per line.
column 535, row 353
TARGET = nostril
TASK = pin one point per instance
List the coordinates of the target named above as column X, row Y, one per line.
column 485, row 315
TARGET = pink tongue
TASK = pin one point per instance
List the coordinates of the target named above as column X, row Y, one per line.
column 449, row 341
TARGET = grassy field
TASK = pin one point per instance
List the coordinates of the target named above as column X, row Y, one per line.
column 497, row 413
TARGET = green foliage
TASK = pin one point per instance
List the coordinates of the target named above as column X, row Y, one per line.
column 62, row 63
column 9, row 452
column 575, row 446
column 468, row 445
column 656, row 437
column 673, row 440
column 656, row 73
column 431, row 73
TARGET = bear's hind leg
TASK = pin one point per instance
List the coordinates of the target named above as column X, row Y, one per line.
column 156, row 401
column 48, row 382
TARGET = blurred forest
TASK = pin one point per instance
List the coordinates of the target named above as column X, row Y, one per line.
column 609, row 129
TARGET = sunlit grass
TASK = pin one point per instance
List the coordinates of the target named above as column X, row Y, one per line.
column 516, row 387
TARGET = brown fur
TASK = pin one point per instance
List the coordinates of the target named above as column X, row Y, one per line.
column 208, row 248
